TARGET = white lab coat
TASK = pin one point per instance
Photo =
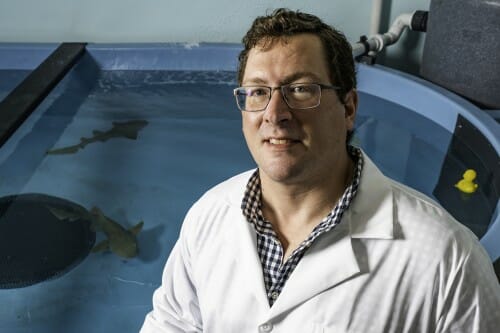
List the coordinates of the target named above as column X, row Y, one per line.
column 396, row 263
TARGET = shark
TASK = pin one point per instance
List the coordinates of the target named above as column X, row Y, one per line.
column 120, row 241
column 128, row 129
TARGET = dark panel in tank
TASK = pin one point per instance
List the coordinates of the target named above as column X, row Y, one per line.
column 469, row 149
column 24, row 99
column 35, row 245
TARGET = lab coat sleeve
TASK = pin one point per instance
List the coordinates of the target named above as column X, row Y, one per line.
column 175, row 303
column 471, row 295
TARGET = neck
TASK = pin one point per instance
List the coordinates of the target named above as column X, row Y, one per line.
column 305, row 203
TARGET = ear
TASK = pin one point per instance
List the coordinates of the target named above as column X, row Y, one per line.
column 350, row 106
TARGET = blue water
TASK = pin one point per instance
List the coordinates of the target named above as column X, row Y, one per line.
column 414, row 150
column 192, row 141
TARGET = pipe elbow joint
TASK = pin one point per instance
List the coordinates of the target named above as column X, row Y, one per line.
column 379, row 43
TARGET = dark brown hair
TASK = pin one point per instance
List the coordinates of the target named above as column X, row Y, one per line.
column 283, row 23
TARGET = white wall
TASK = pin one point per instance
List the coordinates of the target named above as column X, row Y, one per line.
column 171, row 21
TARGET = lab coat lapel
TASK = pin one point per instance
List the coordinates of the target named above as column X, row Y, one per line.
column 329, row 262
column 242, row 245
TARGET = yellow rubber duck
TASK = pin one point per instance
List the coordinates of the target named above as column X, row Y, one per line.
column 467, row 184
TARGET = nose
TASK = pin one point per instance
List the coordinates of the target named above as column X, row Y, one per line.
column 277, row 110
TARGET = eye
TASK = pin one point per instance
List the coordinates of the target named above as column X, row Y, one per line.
column 256, row 91
column 300, row 89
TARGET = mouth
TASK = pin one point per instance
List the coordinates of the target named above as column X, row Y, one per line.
column 280, row 141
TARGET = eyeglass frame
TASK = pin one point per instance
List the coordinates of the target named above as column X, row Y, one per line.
column 282, row 89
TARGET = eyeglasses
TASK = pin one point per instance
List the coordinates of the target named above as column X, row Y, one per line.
column 296, row 96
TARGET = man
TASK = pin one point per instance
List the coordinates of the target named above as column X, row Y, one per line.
column 317, row 239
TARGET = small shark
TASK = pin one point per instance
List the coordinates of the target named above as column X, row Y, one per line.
column 120, row 241
column 128, row 129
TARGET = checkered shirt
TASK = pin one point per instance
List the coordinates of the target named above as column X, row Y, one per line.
column 270, row 250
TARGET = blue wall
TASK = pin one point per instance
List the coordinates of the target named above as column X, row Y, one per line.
column 190, row 21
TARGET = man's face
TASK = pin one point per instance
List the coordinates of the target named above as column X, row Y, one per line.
column 296, row 146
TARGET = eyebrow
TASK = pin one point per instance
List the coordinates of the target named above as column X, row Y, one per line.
column 286, row 80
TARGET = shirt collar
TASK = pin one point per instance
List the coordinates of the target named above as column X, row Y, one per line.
column 251, row 203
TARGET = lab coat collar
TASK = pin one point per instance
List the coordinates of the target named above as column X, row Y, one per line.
column 372, row 212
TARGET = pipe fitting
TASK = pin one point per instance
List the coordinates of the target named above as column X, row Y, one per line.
column 378, row 42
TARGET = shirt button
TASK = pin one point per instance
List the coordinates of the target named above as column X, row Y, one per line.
column 267, row 327
column 274, row 295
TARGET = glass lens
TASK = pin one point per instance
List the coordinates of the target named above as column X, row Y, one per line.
column 252, row 98
column 302, row 95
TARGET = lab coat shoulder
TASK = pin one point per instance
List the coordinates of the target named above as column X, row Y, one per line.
column 466, row 293
column 433, row 260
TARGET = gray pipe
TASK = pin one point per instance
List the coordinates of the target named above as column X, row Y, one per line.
column 376, row 43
